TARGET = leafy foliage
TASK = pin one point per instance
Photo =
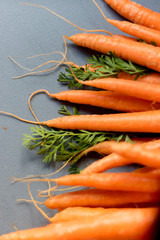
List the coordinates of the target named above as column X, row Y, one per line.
column 73, row 169
column 104, row 66
column 152, row 42
column 64, row 111
column 60, row 145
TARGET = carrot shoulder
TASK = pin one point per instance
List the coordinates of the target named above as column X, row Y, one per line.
column 143, row 54
column 136, row 13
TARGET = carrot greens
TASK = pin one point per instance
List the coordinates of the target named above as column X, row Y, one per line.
column 73, row 169
column 112, row 65
column 105, row 66
column 60, row 145
column 141, row 40
column 65, row 111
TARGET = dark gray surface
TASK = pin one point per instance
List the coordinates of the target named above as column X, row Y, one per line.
column 27, row 31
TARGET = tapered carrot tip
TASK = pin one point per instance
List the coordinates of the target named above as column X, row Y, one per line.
column 70, row 38
column 113, row 22
column 136, row 13
column 77, row 38
column 29, row 234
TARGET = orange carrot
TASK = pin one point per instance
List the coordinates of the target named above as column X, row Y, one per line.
column 145, row 170
column 112, row 160
column 106, row 99
column 147, row 121
column 142, row 54
column 135, row 153
column 73, row 213
column 108, row 162
column 142, row 32
column 136, row 13
column 99, row 198
column 124, row 37
column 102, row 148
column 122, row 181
column 123, row 224
column 149, row 78
column 148, row 171
column 39, row 233
column 142, row 90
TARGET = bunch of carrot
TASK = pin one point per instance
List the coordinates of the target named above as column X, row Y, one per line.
column 140, row 99
column 115, row 205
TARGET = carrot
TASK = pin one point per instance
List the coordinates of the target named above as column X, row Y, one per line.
column 142, row 32
column 142, row 54
column 136, row 13
column 39, row 233
column 99, row 198
column 101, row 147
column 108, row 162
column 112, row 160
column 148, row 171
column 136, row 153
column 148, row 78
column 73, row 213
column 124, row 37
column 122, row 181
column 123, row 224
column 145, row 170
column 142, row 90
column 104, row 99
column 147, row 121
